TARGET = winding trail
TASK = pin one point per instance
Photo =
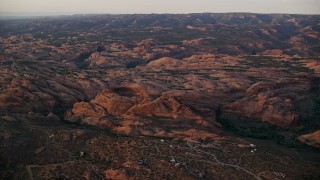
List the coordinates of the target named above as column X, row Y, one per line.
column 222, row 163
column 215, row 162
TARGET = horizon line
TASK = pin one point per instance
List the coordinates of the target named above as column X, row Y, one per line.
column 54, row 14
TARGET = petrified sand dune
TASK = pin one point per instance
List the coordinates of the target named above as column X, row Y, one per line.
column 13, row 103
column 77, row 93
column 164, row 63
column 42, row 91
column 98, row 59
column 164, row 106
column 263, row 104
column 312, row 64
column 131, row 104
column 312, row 139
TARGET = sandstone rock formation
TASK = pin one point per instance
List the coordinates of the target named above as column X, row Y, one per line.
column 164, row 63
column 312, row 139
column 139, row 112
column 262, row 104
column 116, row 174
column 77, row 93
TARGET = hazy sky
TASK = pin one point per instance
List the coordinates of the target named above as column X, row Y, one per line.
column 51, row 7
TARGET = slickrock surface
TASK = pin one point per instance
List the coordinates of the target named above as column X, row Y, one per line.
column 312, row 139
column 214, row 96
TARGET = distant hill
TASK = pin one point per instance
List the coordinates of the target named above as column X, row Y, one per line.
column 249, row 33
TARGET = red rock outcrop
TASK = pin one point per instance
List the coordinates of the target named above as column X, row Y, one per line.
column 113, row 174
column 98, row 59
column 164, row 63
column 164, row 106
column 139, row 113
column 274, row 53
column 312, row 64
column 312, row 139
column 262, row 104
